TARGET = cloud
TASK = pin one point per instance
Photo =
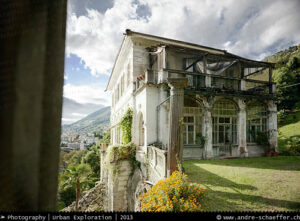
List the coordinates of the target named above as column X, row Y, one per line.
column 87, row 94
column 74, row 111
column 253, row 29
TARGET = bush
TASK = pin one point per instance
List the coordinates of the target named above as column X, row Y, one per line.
column 174, row 194
column 293, row 145
column 66, row 196
column 93, row 159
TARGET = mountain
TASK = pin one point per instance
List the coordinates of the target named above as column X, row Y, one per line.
column 72, row 110
column 95, row 121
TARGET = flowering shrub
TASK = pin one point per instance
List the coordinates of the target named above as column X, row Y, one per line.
column 174, row 194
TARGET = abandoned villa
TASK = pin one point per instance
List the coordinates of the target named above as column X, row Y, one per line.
column 189, row 102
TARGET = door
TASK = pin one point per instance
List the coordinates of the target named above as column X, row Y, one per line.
column 225, row 137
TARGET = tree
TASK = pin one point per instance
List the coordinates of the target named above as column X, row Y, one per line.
column 77, row 177
column 93, row 159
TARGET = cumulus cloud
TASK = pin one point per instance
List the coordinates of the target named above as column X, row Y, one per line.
column 248, row 28
column 86, row 94
column 74, row 111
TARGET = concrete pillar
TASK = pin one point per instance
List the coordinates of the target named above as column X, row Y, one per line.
column 207, row 130
column 242, row 129
column 272, row 125
column 175, row 145
column 32, row 42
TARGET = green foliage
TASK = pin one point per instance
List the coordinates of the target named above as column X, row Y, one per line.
column 66, row 197
column 289, row 133
column 60, row 205
column 106, row 137
column 92, row 158
column 76, row 157
column 262, row 138
column 126, row 124
column 293, row 145
column 73, row 173
column 174, row 194
column 201, row 138
column 287, row 72
column 116, row 153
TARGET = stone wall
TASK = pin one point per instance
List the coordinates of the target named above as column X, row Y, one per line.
column 117, row 186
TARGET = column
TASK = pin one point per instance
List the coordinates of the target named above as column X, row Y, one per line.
column 207, row 130
column 242, row 128
column 272, row 125
column 175, row 145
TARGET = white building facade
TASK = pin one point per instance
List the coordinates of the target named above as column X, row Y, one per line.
column 222, row 101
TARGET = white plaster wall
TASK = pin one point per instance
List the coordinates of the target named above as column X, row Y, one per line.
column 152, row 100
column 140, row 107
column 163, row 118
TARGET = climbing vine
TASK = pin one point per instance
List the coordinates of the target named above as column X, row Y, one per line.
column 126, row 125
column 116, row 153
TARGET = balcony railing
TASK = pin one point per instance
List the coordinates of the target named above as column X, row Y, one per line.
column 157, row 163
column 148, row 77
column 223, row 84
column 208, row 82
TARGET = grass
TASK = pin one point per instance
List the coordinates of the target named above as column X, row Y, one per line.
column 289, row 128
column 252, row 184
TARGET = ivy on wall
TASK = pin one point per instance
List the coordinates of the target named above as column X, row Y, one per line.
column 115, row 154
column 126, row 125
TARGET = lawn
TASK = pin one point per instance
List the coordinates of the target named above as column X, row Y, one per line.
column 264, row 183
column 288, row 129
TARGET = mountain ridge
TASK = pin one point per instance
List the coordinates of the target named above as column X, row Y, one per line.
column 96, row 121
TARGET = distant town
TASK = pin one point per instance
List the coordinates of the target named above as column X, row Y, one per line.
column 78, row 142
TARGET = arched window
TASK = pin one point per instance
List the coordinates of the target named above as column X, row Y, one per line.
column 224, row 122
column 256, row 120
column 191, row 121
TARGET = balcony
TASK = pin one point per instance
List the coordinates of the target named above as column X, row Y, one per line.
column 148, row 77
column 218, row 84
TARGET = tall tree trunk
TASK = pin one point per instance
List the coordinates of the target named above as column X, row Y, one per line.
column 77, row 194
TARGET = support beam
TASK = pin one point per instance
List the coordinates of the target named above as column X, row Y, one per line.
column 175, row 145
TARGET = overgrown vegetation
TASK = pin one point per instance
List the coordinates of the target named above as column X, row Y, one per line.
column 79, row 170
column 174, row 194
column 286, row 75
column 289, row 133
column 126, row 125
column 114, row 154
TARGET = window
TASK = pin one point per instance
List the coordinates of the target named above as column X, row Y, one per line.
column 224, row 123
column 256, row 120
column 191, row 122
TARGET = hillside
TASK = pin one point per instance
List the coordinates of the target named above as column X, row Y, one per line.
column 287, row 72
column 95, row 121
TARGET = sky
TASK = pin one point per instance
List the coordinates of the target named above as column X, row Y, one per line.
column 252, row 29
